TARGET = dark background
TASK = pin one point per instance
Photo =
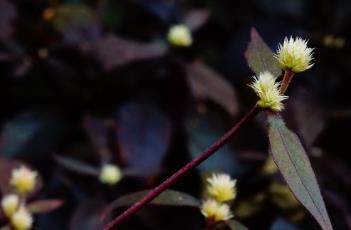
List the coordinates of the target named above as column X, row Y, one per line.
column 96, row 81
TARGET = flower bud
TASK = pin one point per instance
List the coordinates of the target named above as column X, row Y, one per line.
column 21, row 219
column 179, row 35
column 23, row 179
column 221, row 187
column 9, row 204
column 110, row 174
column 216, row 211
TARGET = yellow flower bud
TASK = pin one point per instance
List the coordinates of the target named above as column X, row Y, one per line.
column 110, row 174
column 294, row 55
column 221, row 187
column 179, row 35
column 23, row 179
column 9, row 204
column 216, row 211
column 267, row 89
column 21, row 219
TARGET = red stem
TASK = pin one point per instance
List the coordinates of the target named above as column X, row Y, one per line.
column 288, row 76
column 195, row 162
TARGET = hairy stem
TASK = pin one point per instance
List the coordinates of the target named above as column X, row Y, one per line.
column 195, row 162
column 288, row 75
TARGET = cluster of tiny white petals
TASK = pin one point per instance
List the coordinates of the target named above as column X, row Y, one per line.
column 294, row 55
column 179, row 35
column 216, row 211
column 9, row 204
column 22, row 219
column 221, row 187
column 267, row 89
column 23, row 179
column 110, row 174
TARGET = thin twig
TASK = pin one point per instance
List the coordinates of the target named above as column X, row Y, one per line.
column 288, row 75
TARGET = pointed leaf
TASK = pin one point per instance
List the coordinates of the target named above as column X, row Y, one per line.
column 260, row 57
column 195, row 18
column 292, row 161
column 235, row 225
column 167, row 198
column 76, row 166
column 44, row 206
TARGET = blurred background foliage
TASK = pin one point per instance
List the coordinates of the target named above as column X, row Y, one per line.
column 84, row 83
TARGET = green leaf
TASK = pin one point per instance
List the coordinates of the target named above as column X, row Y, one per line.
column 292, row 161
column 44, row 206
column 167, row 198
column 235, row 225
column 260, row 57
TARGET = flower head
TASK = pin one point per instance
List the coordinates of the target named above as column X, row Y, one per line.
column 9, row 204
column 23, row 179
column 179, row 35
column 212, row 209
column 221, row 187
column 267, row 89
column 21, row 219
column 110, row 174
column 294, row 55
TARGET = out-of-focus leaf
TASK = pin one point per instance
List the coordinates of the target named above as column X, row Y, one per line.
column 6, row 167
column 167, row 11
column 205, row 83
column 76, row 166
column 292, row 161
column 87, row 215
column 203, row 128
column 144, row 133
column 194, row 19
column 44, row 206
column 250, row 206
column 282, row 223
column 98, row 135
column 167, row 198
column 8, row 13
column 260, row 57
column 235, row 225
column 76, row 22
column 113, row 51
column 30, row 133
column 281, row 195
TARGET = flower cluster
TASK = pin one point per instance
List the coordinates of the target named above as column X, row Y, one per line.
column 14, row 208
column 179, row 35
column 221, row 188
column 110, row 174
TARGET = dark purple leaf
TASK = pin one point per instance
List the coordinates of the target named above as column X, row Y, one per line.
column 205, row 84
column 44, row 206
column 292, row 161
column 8, row 13
column 196, row 18
column 167, row 198
column 77, row 166
column 113, row 51
column 260, row 57
column 144, row 133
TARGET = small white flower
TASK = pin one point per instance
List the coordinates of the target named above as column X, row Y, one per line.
column 267, row 89
column 23, row 179
column 110, row 174
column 9, row 204
column 294, row 55
column 221, row 187
column 216, row 211
column 21, row 219
column 179, row 35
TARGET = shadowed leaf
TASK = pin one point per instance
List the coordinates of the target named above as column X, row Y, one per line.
column 167, row 198
column 144, row 134
column 292, row 161
column 260, row 57
column 113, row 51
column 76, row 166
column 194, row 19
column 44, row 206
column 8, row 14
column 205, row 83
column 235, row 225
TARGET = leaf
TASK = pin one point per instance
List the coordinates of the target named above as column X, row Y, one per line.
column 8, row 14
column 113, row 51
column 205, row 83
column 44, row 206
column 260, row 57
column 196, row 18
column 166, row 198
column 76, row 166
column 282, row 223
column 144, row 134
column 203, row 128
column 292, row 161
column 235, row 225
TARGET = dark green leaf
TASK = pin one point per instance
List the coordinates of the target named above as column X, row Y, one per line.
column 167, row 198
column 44, row 206
column 260, row 57
column 292, row 161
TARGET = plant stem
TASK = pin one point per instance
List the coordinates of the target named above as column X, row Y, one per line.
column 195, row 162
column 209, row 224
column 288, row 75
